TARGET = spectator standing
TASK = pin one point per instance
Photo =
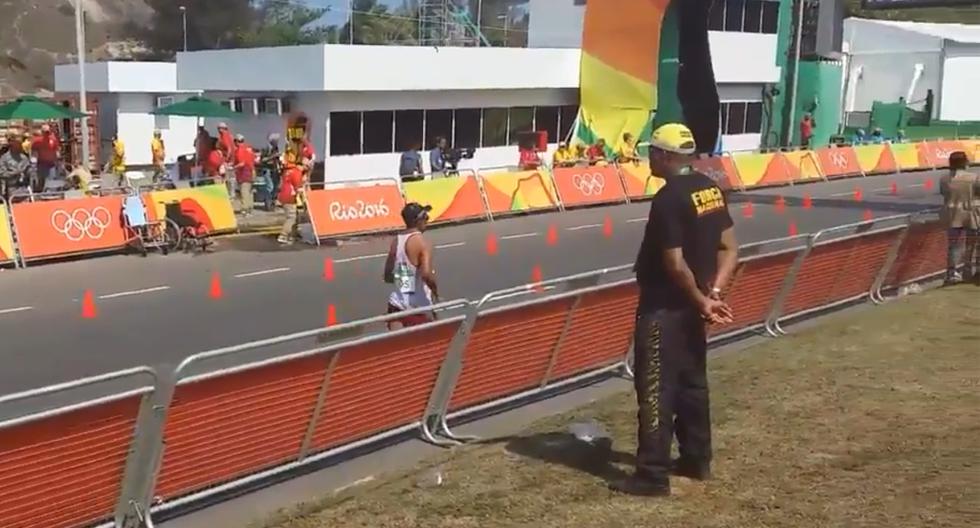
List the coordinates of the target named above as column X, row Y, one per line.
column 271, row 163
column 226, row 143
column 597, row 152
column 117, row 163
column 807, row 124
column 961, row 216
column 529, row 159
column 563, row 156
column 289, row 197
column 15, row 165
column 158, row 153
column 410, row 164
column 437, row 157
column 876, row 136
column 244, row 172
column 214, row 164
column 46, row 148
column 203, row 144
column 627, row 151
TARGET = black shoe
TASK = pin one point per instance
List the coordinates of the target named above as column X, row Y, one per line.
column 641, row 487
column 691, row 469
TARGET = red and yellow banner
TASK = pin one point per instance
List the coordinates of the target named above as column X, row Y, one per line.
column 350, row 210
column 588, row 185
column 837, row 162
column 875, row 159
column 801, row 165
column 514, row 192
column 70, row 226
column 452, row 199
column 721, row 169
column 756, row 169
column 639, row 181
column 6, row 237
column 907, row 156
column 935, row 154
column 208, row 204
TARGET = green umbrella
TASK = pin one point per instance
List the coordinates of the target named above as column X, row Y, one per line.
column 30, row 107
column 196, row 107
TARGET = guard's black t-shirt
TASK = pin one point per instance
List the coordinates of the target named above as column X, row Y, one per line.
column 690, row 213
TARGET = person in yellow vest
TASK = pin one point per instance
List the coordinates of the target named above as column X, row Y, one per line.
column 117, row 163
column 158, row 153
column 563, row 157
column 627, row 150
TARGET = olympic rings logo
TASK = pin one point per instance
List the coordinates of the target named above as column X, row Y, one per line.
column 839, row 159
column 589, row 184
column 81, row 223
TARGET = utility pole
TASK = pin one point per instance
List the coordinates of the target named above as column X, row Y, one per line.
column 183, row 20
column 82, row 97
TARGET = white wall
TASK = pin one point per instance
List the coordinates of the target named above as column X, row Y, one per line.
column 112, row 76
column 294, row 68
column 135, row 125
column 961, row 79
column 743, row 57
column 732, row 143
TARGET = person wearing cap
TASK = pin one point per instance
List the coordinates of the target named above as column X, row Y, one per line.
column 226, row 142
column 158, row 153
column 627, row 151
column 117, row 163
column 409, row 269
column 46, row 148
column 214, row 164
column 244, row 172
column 597, row 152
column 290, row 188
column 960, row 215
column 270, row 161
column 15, row 165
column 563, row 156
column 685, row 261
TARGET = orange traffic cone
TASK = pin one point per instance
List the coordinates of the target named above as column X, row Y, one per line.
column 868, row 215
column 536, row 278
column 927, row 184
column 607, row 227
column 894, row 189
column 491, row 244
column 331, row 315
column 792, row 230
column 552, row 238
column 215, row 291
column 328, row 273
column 807, row 202
column 858, row 194
column 748, row 210
column 88, row 306
column 780, row 204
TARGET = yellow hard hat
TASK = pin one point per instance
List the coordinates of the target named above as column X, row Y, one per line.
column 673, row 137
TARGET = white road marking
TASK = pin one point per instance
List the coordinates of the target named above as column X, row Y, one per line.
column 262, row 272
column 362, row 257
column 917, row 185
column 450, row 245
column 134, row 292
column 525, row 292
column 354, row 484
column 586, row 226
column 15, row 310
column 520, row 235
column 880, row 189
column 848, row 193
column 635, row 220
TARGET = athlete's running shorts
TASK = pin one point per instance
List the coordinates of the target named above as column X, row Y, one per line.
column 411, row 319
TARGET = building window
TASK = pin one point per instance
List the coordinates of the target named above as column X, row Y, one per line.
column 345, row 133
column 716, row 16
column 408, row 130
column 753, row 118
column 566, row 120
column 770, row 17
column 438, row 123
column 546, row 119
column 752, row 23
column 741, row 118
column 521, row 120
column 379, row 129
column 494, row 127
column 467, row 128
column 734, row 9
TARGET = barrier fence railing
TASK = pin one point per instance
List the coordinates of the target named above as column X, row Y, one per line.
column 46, row 225
column 241, row 416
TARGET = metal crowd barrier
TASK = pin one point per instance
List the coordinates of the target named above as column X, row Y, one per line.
column 240, row 416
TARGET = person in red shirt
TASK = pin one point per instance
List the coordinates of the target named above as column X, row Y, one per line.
column 290, row 188
column 226, row 142
column 806, row 130
column 244, row 172
column 597, row 152
column 529, row 159
column 214, row 164
column 203, row 144
column 47, row 149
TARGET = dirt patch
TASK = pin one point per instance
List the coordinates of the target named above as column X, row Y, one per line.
column 867, row 420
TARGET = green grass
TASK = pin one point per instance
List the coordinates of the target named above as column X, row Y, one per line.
column 870, row 419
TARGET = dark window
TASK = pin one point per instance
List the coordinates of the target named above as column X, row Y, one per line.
column 546, row 118
column 467, row 128
column 753, row 118
column 724, row 118
column 345, row 133
column 521, row 120
column 494, row 127
column 733, row 15
column 753, row 16
column 566, row 121
column 736, row 118
column 716, row 17
column 770, row 16
column 438, row 123
column 378, row 130
column 408, row 130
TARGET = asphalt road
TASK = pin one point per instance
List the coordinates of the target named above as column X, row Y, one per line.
column 157, row 311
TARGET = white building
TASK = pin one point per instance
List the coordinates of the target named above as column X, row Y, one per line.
column 127, row 93
column 891, row 60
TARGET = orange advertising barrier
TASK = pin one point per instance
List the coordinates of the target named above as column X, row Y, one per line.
column 7, row 252
column 639, row 181
column 67, row 227
column 760, row 169
column 588, row 185
column 837, row 162
column 935, row 154
column 452, row 199
column 801, row 165
column 351, row 210
column 518, row 192
column 721, row 169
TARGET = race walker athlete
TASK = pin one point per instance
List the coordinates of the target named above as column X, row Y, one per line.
column 409, row 268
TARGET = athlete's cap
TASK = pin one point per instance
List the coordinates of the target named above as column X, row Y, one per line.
column 413, row 212
column 673, row 137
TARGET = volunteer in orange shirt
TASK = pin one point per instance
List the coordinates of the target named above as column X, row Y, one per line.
column 290, row 189
column 214, row 164
column 47, row 149
column 244, row 172
column 226, row 142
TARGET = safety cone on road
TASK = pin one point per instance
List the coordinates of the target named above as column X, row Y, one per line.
column 492, row 244
column 858, row 194
column 88, row 306
column 807, row 202
column 607, row 227
column 792, row 230
column 331, row 315
column 536, row 278
column 552, row 238
column 927, row 184
column 894, row 189
column 780, row 204
column 328, row 274
column 748, row 210
column 868, row 215
column 215, row 291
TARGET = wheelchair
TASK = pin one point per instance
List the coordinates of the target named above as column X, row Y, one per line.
column 192, row 233
column 145, row 234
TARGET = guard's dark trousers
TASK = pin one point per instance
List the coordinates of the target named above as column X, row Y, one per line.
column 671, row 390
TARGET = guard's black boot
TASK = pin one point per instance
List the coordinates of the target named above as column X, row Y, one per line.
column 641, row 487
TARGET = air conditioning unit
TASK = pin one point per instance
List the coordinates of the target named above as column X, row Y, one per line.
column 248, row 105
column 165, row 100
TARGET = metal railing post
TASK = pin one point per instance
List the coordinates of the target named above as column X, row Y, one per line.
column 622, row 181
column 434, row 417
column 321, row 398
column 772, row 319
column 875, row 292
column 483, row 194
column 566, row 325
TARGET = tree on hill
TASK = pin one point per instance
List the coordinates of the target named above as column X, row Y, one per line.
column 958, row 15
column 285, row 23
column 211, row 24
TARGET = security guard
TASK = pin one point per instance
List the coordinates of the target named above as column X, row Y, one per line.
column 687, row 256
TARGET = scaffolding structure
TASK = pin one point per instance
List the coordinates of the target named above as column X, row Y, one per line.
column 447, row 23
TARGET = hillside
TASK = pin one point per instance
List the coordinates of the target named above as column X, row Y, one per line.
column 957, row 15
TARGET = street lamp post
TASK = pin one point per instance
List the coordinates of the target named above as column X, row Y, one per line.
column 183, row 21
column 82, row 102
